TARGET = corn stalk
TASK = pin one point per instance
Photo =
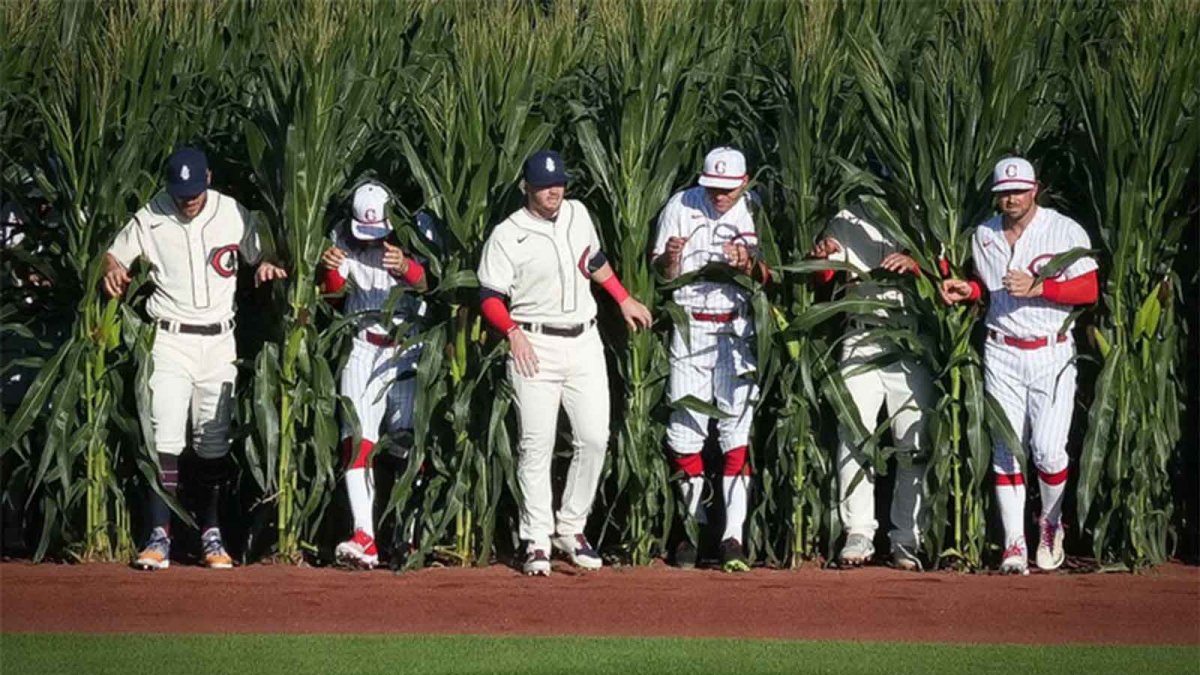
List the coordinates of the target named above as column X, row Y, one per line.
column 1136, row 97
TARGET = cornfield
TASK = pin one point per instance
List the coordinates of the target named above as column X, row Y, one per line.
column 902, row 107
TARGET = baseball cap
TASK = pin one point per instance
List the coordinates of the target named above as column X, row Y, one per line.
column 369, row 219
column 544, row 168
column 1013, row 174
column 724, row 168
column 187, row 173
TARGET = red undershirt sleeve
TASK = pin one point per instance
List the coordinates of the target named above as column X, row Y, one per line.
column 1082, row 290
column 495, row 312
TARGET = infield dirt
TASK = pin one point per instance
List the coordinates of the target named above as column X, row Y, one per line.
column 1158, row 607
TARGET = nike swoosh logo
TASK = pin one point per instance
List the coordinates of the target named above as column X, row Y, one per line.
column 522, row 239
column 987, row 243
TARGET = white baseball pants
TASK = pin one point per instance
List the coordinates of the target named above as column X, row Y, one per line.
column 905, row 389
column 718, row 365
column 1036, row 390
column 193, row 375
column 571, row 374
column 381, row 384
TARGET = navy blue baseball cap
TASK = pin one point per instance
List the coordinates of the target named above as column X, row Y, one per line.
column 187, row 173
column 544, row 168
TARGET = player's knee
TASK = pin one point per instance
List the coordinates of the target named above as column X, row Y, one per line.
column 736, row 462
column 1051, row 476
column 593, row 439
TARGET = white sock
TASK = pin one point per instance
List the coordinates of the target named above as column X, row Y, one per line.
column 1052, row 500
column 360, row 487
column 693, row 490
column 736, row 490
column 1012, row 512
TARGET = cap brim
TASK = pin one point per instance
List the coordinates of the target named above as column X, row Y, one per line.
column 370, row 231
column 721, row 182
column 549, row 183
column 186, row 190
column 1014, row 185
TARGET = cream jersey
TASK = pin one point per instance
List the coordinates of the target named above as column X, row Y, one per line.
column 864, row 246
column 690, row 214
column 541, row 265
column 371, row 284
column 193, row 264
column 1047, row 235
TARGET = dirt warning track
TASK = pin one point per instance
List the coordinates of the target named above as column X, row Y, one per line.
column 1158, row 607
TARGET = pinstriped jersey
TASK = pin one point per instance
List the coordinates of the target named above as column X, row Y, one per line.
column 690, row 214
column 541, row 265
column 371, row 284
column 193, row 264
column 1048, row 234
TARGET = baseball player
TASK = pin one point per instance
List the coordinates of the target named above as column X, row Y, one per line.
column 1028, row 357
column 711, row 224
column 535, row 279
column 191, row 237
column 903, row 386
column 379, row 377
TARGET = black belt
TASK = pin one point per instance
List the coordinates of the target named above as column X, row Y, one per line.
column 558, row 330
column 195, row 329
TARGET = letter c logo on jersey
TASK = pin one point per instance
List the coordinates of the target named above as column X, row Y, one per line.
column 1036, row 265
column 224, row 260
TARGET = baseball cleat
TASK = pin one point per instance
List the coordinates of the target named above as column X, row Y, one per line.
column 578, row 551
column 1016, row 559
column 157, row 553
column 1050, row 553
column 537, row 563
column 733, row 559
column 215, row 556
column 857, row 550
column 358, row 551
column 905, row 558
column 685, row 555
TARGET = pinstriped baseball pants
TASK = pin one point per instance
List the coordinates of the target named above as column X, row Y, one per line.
column 716, row 367
column 1036, row 390
column 374, row 379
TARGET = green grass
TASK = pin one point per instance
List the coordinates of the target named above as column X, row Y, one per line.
column 29, row 654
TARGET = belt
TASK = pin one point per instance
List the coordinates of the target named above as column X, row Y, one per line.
column 558, row 330
column 195, row 329
column 723, row 317
column 378, row 340
column 1024, row 343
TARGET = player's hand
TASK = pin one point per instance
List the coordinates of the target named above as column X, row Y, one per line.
column 116, row 278
column 900, row 264
column 268, row 272
column 635, row 313
column 524, row 358
column 393, row 260
column 954, row 291
column 738, row 256
column 825, row 248
column 674, row 250
column 332, row 258
column 1021, row 284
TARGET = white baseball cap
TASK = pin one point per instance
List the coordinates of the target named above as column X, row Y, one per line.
column 1013, row 174
column 724, row 168
column 369, row 219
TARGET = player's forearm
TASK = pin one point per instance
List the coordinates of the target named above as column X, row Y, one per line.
column 413, row 274
column 607, row 279
column 1082, row 290
column 668, row 270
column 494, row 308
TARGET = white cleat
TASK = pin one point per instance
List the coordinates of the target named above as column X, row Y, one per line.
column 537, row 563
column 1016, row 560
column 1050, row 555
column 577, row 549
